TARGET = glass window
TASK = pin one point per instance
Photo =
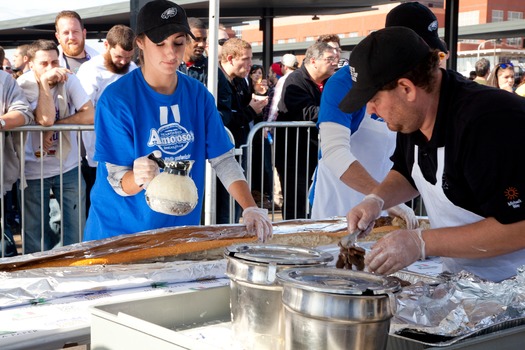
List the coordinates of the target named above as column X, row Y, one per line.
column 497, row 15
column 514, row 42
column 468, row 18
column 514, row 15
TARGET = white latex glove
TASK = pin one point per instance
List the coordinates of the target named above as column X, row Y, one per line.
column 406, row 213
column 395, row 251
column 258, row 223
column 145, row 169
column 364, row 214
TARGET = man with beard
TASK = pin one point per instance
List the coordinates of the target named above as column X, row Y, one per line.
column 456, row 146
column 95, row 75
column 72, row 52
column 71, row 36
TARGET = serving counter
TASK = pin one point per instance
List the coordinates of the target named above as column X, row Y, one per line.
column 200, row 324
column 50, row 324
column 161, row 312
column 172, row 303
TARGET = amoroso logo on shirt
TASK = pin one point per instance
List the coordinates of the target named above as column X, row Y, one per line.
column 171, row 138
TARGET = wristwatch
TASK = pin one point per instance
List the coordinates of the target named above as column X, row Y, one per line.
column 2, row 124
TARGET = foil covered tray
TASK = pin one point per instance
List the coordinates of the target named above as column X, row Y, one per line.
column 461, row 307
column 443, row 341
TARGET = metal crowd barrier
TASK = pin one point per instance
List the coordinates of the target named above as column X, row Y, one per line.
column 300, row 133
column 247, row 151
column 258, row 159
column 21, row 134
column 259, row 156
column 274, row 140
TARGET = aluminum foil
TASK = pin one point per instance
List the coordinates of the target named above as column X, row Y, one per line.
column 23, row 281
column 460, row 306
column 152, row 244
column 38, row 285
column 334, row 224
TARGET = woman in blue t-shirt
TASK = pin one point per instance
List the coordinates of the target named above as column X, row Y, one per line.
column 156, row 108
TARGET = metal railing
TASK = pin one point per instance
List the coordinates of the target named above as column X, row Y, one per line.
column 295, row 141
column 247, row 151
column 20, row 135
column 279, row 160
column 288, row 165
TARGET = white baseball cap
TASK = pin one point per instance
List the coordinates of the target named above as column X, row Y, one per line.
column 289, row 60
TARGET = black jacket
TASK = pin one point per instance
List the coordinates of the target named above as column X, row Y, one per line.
column 242, row 113
column 296, row 162
column 199, row 71
column 300, row 99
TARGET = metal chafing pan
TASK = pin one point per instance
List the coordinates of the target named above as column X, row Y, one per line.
column 412, row 340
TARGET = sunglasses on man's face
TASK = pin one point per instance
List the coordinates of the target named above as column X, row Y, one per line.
column 222, row 41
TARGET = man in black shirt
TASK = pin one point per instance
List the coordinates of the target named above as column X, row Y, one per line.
column 236, row 60
column 459, row 145
column 296, row 153
column 195, row 65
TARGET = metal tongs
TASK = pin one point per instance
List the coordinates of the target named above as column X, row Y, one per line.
column 350, row 239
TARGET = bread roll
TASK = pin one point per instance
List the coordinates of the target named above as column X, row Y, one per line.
column 181, row 243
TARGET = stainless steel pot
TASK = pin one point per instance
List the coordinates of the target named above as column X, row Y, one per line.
column 328, row 308
column 255, row 296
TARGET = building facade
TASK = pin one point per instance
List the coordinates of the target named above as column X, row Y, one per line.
column 304, row 29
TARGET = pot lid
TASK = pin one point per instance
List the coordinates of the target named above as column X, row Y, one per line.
column 338, row 281
column 277, row 254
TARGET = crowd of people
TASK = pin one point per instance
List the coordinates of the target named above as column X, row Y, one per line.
column 390, row 128
column 502, row 76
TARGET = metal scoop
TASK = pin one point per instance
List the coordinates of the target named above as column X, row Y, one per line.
column 350, row 239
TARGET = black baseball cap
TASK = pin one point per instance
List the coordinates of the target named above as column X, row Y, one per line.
column 379, row 59
column 159, row 19
column 420, row 19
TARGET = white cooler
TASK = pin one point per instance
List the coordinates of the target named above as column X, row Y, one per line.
column 167, row 322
